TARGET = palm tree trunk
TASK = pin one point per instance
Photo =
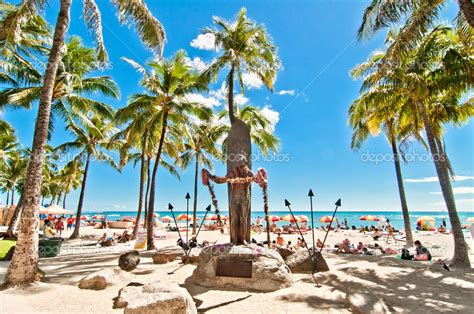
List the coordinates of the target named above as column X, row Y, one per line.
column 64, row 200
column 75, row 233
column 151, row 205
column 13, row 195
column 24, row 263
column 147, row 189
column 196, row 171
column 13, row 223
column 8, row 198
column 401, row 191
column 59, row 198
column 230, row 94
column 140, row 196
column 460, row 258
column 467, row 8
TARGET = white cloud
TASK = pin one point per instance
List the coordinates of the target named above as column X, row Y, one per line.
column 252, row 81
column 120, row 206
column 221, row 93
column 460, row 190
column 204, row 42
column 201, row 99
column 272, row 116
column 196, row 63
column 435, row 179
column 290, row 92
column 240, row 100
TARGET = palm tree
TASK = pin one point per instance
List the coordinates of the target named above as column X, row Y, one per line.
column 90, row 143
column 246, row 48
column 71, row 178
column 366, row 118
column 165, row 105
column 23, row 266
column 419, row 16
column 446, row 71
column 200, row 146
column 73, row 86
column 137, row 144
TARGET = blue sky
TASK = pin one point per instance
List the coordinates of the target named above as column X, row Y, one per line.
column 317, row 46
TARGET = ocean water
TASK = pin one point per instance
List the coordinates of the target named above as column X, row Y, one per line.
column 353, row 218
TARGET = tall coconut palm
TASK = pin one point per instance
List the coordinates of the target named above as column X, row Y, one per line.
column 71, row 178
column 200, row 147
column 90, row 143
column 137, row 145
column 418, row 16
column 246, row 48
column 73, row 87
column 166, row 82
column 24, row 262
column 446, row 70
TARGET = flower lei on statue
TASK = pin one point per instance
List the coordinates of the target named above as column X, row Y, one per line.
column 261, row 178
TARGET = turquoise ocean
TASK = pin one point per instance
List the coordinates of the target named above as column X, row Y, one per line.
column 353, row 218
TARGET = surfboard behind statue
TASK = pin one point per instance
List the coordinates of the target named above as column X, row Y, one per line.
column 238, row 145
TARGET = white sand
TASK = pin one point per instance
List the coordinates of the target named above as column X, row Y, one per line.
column 403, row 285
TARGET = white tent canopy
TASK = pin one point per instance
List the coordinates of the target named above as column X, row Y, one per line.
column 54, row 210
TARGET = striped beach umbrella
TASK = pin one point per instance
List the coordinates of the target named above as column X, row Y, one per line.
column 326, row 219
column 369, row 217
column 98, row 217
column 303, row 218
column 471, row 219
column 166, row 219
column 425, row 219
column 128, row 218
column 273, row 218
column 290, row 218
column 183, row 217
column 85, row 217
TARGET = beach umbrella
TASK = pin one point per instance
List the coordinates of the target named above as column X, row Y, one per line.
column 326, row 219
column 425, row 219
column 54, row 210
column 303, row 218
column 183, row 217
column 166, row 219
column 290, row 218
column 369, row 217
column 224, row 218
column 155, row 215
column 273, row 218
column 470, row 219
column 98, row 217
column 85, row 217
column 128, row 218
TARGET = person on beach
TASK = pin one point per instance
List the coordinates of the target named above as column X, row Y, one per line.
column 59, row 225
column 280, row 240
column 319, row 243
column 390, row 231
column 70, row 222
column 443, row 222
column 346, row 247
column 422, row 253
column 377, row 234
column 48, row 232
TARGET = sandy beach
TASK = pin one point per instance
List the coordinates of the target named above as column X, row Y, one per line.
column 404, row 286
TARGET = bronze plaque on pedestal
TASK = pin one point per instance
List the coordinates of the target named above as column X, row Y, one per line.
column 231, row 268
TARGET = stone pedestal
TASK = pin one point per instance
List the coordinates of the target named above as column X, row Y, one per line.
column 267, row 270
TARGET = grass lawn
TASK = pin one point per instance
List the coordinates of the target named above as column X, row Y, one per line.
column 5, row 245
